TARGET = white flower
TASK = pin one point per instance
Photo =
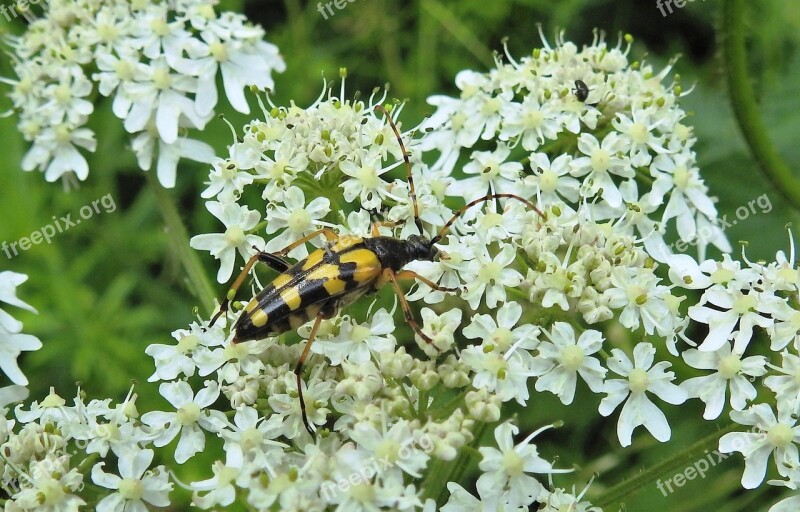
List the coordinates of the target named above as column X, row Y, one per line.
column 299, row 219
column 393, row 447
column 769, row 434
column 562, row 358
column 489, row 276
column 364, row 181
column 641, row 376
column 786, row 386
column 181, row 359
column 551, row 181
column 355, row 341
column 134, row 487
column 440, row 328
column 638, row 292
column 237, row 220
column 600, row 162
column 494, row 175
column 54, row 486
column 502, row 361
column 506, row 467
column 733, row 308
column 187, row 419
column 732, row 371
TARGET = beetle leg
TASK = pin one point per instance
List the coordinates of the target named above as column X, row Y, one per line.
column 391, row 276
column 298, row 370
column 410, row 274
column 329, row 234
column 381, row 223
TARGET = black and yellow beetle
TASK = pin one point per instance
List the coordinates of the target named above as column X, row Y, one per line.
column 334, row 276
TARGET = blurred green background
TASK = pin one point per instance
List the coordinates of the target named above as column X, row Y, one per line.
column 110, row 286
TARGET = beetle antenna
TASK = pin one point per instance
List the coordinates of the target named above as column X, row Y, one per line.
column 483, row 199
column 409, row 177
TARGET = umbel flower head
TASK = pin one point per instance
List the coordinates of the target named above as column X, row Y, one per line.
column 157, row 61
column 620, row 153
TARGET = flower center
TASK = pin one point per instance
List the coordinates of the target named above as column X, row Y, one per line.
column 62, row 94
column 219, row 51
column 234, row 236
column 491, row 171
column 360, row 334
column 161, row 79
column 388, row 449
column 123, row 69
column 159, row 27
column 368, row 177
column 572, row 357
column 502, row 338
column 188, row 343
column 639, row 133
column 513, row 463
column 744, row 304
column 107, row 32
column 131, row 488
column 299, row 220
column 363, row 493
column 601, row 160
column 729, row 366
column 489, row 272
column 533, row 119
column 51, row 492
column 780, row 435
column 681, row 177
column 548, row 181
column 108, row 432
column 491, row 107
column 251, row 438
column 189, row 414
column 722, row 275
column 638, row 380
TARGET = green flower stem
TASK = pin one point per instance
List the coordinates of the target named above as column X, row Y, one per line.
column 745, row 107
column 616, row 494
column 197, row 279
column 87, row 463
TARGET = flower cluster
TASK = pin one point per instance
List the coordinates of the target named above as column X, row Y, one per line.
column 159, row 61
column 621, row 153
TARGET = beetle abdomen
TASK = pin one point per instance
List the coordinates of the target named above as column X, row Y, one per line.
column 327, row 280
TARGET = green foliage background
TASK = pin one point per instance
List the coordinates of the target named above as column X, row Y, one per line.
column 110, row 286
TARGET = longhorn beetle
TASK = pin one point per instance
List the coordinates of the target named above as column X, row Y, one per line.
column 334, row 276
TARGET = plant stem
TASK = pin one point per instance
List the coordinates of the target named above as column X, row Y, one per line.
column 196, row 277
column 615, row 495
column 745, row 108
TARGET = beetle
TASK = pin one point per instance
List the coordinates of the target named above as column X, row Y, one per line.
column 581, row 90
column 334, row 276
